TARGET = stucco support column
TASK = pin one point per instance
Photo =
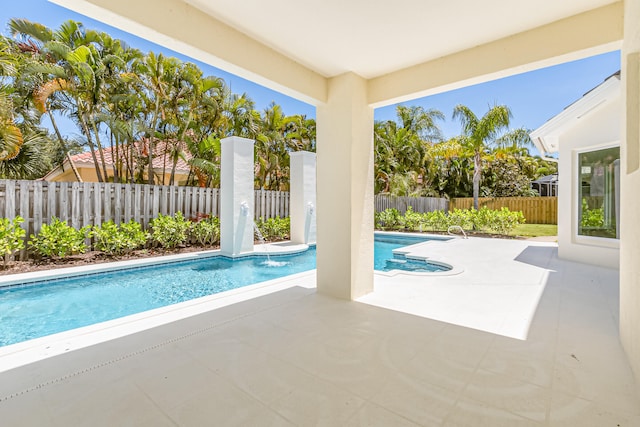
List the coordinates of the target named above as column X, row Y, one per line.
column 236, row 196
column 345, row 190
column 302, row 196
column 629, row 200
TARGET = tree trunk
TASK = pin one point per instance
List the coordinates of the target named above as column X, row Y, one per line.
column 100, row 150
column 477, row 176
column 85, row 129
column 64, row 146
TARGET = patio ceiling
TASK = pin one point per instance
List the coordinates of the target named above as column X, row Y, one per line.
column 373, row 38
column 405, row 49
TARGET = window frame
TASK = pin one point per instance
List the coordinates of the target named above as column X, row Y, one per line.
column 576, row 200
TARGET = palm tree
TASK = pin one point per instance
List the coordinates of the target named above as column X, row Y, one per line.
column 241, row 117
column 478, row 134
column 420, row 121
column 68, row 61
column 11, row 138
column 300, row 133
column 32, row 161
column 402, row 149
column 516, row 142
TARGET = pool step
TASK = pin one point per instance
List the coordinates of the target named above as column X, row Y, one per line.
column 415, row 265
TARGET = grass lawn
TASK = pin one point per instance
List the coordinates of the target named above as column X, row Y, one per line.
column 534, row 230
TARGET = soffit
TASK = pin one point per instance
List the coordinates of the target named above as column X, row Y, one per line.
column 547, row 136
column 375, row 37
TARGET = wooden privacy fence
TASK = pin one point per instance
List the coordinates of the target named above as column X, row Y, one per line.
column 92, row 203
column 418, row 204
column 536, row 210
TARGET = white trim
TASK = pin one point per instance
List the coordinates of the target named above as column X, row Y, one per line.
column 546, row 137
column 606, row 242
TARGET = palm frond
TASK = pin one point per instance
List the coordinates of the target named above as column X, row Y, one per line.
column 33, row 30
column 44, row 91
column 10, row 141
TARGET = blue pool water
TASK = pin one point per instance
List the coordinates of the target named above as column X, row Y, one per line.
column 384, row 259
column 43, row 308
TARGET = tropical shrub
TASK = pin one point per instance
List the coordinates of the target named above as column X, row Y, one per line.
column 483, row 218
column 116, row 240
column 413, row 220
column 274, row 228
column 389, row 219
column 170, row 231
column 505, row 221
column 206, row 232
column 59, row 239
column 463, row 218
column 11, row 236
column 501, row 221
column 437, row 220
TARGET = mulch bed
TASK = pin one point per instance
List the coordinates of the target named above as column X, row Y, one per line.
column 93, row 257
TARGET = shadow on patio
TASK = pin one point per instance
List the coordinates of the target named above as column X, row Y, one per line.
column 296, row 357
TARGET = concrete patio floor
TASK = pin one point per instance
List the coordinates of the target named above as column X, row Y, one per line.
column 294, row 357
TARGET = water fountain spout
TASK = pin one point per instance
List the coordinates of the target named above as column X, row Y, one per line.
column 244, row 209
column 262, row 240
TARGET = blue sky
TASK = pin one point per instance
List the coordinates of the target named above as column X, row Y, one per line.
column 533, row 97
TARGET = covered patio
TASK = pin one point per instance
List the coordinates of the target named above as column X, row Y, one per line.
column 296, row 357
column 316, row 353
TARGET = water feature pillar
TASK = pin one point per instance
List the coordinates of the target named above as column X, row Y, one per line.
column 236, row 196
column 302, row 196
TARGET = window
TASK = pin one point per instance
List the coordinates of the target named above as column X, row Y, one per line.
column 599, row 193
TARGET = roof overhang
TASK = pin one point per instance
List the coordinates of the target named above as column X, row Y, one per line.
column 546, row 137
column 404, row 49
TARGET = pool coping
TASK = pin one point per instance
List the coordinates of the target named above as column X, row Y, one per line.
column 26, row 352
column 275, row 249
column 409, row 253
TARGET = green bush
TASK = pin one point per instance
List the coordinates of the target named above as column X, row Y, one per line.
column 59, row 239
column 505, row 221
column 437, row 220
column 501, row 221
column 389, row 219
column 11, row 236
column 274, row 228
column 483, row 219
column 206, row 232
column 170, row 231
column 413, row 220
column 463, row 218
column 116, row 240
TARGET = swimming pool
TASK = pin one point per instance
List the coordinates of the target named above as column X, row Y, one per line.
column 46, row 307
column 384, row 258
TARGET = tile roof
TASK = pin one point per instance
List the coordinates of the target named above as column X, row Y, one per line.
column 140, row 150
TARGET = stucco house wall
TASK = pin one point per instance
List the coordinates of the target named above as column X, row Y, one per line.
column 598, row 129
column 591, row 123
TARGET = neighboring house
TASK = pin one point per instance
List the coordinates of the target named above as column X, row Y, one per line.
column 546, row 186
column 134, row 156
column 587, row 137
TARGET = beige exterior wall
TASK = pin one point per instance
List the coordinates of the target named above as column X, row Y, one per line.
column 630, row 226
column 599, row 128
column 88, row 174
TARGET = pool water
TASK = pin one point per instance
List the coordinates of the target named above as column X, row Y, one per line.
column 384, row 259
column 43, row 308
